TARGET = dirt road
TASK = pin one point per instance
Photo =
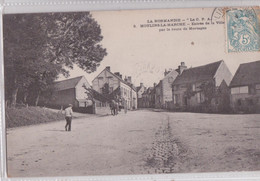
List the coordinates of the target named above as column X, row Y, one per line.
column 138, row 142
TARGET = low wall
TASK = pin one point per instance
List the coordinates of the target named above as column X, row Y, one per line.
column 103, row 110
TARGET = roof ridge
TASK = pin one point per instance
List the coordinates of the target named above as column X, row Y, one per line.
column 205, row 65
column 68, row 79
column 249, row 62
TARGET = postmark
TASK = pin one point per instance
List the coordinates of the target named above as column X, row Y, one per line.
column 242, row 28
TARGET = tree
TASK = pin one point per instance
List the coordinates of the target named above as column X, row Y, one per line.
column 23, row 40
column 209, row 90
column 39, row 47
column 105, row 89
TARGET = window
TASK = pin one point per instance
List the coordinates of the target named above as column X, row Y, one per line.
column 193, row 87
column 170, row 79
column 239, row 90
column 257, row 87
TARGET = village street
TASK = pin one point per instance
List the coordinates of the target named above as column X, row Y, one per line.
column 139, row 142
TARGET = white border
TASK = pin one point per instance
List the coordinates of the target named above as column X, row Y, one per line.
column 29, row 6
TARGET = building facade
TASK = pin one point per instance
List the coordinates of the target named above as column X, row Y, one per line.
column 140, row 90
column 148, row 99
column 163, row 90
column 245, row 88
column 200, row 87
column 122, row 90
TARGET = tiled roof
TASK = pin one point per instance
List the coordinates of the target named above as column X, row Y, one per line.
column 246, row 74
column 196, row 74
column 67, row 84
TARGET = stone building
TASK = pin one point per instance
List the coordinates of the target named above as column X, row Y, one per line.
column 71, row 91
column 245, row 88
column 121, row 89
column 163, row 90
column 202, row 87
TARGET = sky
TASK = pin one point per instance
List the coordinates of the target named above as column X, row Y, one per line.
column 145, row 52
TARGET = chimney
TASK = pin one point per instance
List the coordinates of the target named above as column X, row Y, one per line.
column 141, row 84
column 154, row 84
column 118, row 74
column 108, row 68
column 167, row 71
column 181, row 67
column 129, row 79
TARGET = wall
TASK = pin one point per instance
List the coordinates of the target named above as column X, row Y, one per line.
column 223, row 73
column 179, row 91
column 167, row 86
column 141, row 91
column 65, row 97
column 105, row 77
column 158, row 95
column 80, row 90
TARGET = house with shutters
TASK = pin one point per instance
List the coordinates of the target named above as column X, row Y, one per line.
column 71, row 91
column 202, row 87
column 245, row 88
column 113, row 84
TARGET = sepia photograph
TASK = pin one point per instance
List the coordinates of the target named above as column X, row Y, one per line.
column 132, row 92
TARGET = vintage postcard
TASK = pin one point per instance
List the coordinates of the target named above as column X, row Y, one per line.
column 132, row 92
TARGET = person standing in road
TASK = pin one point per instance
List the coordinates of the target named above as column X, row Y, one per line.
column 125, row 106
column 117, row 108
column 68, row 117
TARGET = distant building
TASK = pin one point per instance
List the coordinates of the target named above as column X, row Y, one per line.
column 163, row 90
column 148, row 99
column 158, row 95
column 122, row 90
column 245, row 88
column 71, row 91
column 140, row 90
column 204, row 85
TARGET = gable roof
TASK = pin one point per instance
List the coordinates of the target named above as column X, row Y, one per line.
column 246, row 74
column 197, row 74
column 67, row 84
column 119, row 78
column 171, row 73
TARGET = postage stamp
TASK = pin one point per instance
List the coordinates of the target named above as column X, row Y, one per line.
column 242, row 30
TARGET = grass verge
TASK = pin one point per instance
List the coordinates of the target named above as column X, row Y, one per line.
column 16, row 117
